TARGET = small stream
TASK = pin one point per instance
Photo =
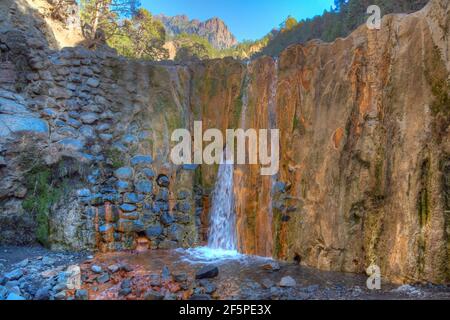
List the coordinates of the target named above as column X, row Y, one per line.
column 247, row 277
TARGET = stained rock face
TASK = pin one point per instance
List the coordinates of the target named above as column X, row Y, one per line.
column 364, row 147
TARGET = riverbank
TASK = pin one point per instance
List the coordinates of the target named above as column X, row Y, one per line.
column 39, row 274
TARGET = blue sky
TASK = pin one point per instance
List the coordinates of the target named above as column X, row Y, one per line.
column 247, row 19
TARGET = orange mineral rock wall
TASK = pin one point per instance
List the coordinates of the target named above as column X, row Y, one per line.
column 364, row 148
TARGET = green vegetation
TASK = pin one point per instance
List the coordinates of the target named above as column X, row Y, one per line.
column 43, row 194
column 133, row 32
column 193, row 47
column 141, row 37
column 115, row 157
column 436, row 75
column 423, row 199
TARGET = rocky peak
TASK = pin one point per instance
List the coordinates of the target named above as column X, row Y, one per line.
column 214, row 29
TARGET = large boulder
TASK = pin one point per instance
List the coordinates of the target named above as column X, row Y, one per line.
column 22, row 124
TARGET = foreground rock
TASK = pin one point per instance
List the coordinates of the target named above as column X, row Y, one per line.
column 207, row 272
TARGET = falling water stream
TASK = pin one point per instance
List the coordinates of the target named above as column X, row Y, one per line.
column 222, row 239
column 222, row 232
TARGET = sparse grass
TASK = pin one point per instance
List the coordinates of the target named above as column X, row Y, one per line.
column 116, row 158
column 42, row 195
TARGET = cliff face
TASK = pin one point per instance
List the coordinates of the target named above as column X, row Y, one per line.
column 364, row 150
column 364, row 172
column 215, row 30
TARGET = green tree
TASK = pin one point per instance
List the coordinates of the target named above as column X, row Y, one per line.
column 289, row 23
column 141, row 37
column 100, row 17
column 193, row 47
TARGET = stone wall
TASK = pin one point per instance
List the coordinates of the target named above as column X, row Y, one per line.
column 104, row 124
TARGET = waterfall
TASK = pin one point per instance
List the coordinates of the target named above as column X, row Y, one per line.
column 222, row 232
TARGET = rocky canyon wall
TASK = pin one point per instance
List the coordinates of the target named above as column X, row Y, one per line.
column 364, row 171
column 364, row 148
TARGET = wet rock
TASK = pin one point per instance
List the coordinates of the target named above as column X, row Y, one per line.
column 208, row 286
column 127, row 226
column 73, row 281
column 175, row 232
column 200, row 297
column 144, row 186
column 60, row 295
column 96, row 269
column 132, row 198
column 155, row 280
column 88, row 117
column 167, row 219
column 74, row 123
column 93, row 82
column 11, row 107
column 165, row 274
column 3, row 292
column 81, row 295
column 163, row 195
column 13, row 275
column 287, row 281
column 153, row 295
column 207, row 272
column 184, row 207
column 104, row 278
column 48, row 261
column 18, row 124
column 130, row 215
column 88, row 132
column 312, row 289
column 124, row 292
column 128, row 207
column 160, row 207
column 105, row 228
column 126, row 284
column 170, row 296
column 149, row 173
column 408, row 290
column 114, row 268
column 163, row 181
column 106, row 137
column 154, row 231
column 83, row 193
column 267, row 283
column 71, row 144
column 182, row 195
column 129, row 140
column 124, row 173
column 180, row 277
column 141, row 160
column 272, row 266
column 123, row 186
column 14, row 296
column 167, row 245
column 43, row 293
column 126, row 267
column 279, row 187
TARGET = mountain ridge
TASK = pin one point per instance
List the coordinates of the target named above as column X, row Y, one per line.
column 215, row 30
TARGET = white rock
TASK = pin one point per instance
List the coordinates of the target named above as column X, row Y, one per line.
column 74, row 279
column 287, row 282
